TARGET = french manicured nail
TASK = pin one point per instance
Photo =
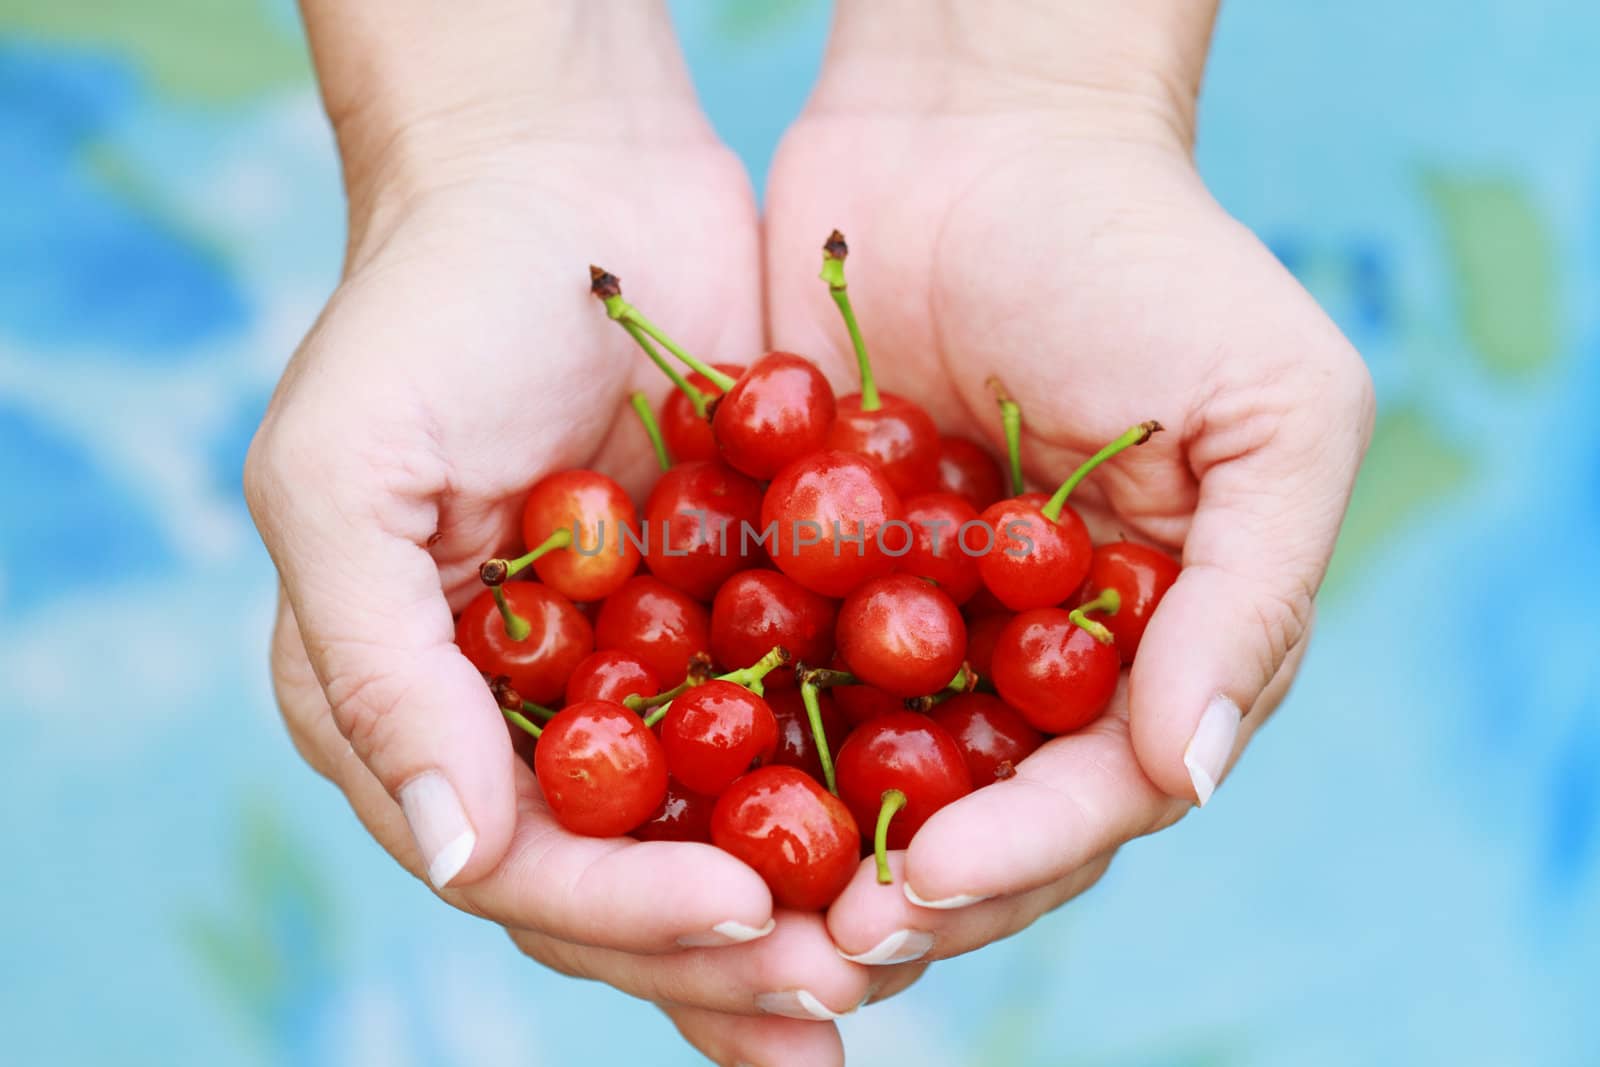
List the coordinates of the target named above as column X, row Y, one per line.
column 728, row 933
column 960, row 900
column 795, row 1004
column 1212, row 744
column 902, row 946
column 439, row 825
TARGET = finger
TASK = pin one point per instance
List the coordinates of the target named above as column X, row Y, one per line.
column 1276, row 460
column 876, row 925
column 795, row 972
column 616, row 893
column 740, row 1040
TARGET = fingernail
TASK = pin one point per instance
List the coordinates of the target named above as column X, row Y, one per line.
column 439, row 825
column 960, row 900
column 902, row 946
column 1212, row 744
column 795, row 1004
column 728, row 933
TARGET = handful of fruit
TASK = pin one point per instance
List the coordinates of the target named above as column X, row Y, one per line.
column 848, row 621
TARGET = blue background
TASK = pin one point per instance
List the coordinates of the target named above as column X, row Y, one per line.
column 1405, row 870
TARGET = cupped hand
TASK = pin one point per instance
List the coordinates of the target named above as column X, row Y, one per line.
column 1056, row 236
column 460, row 359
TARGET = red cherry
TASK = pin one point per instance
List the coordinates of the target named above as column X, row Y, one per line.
column 898, row 434
column 904, row 751
column 967, row 469
column 714, row 733
column 611, row 674
column 982, row 632
column 580, row 515
column 688, row 433
column 796, row 746
column 827, row 514
column 799, row 837
column 682, row 816
column 756, row 610
column 993, row 736
column 695, row 525
column 556, row 638
column 1141, row 576
column 1054, row 671
column 936, row 553
column 778, row 411
column 660, row 625
column 902, row 635
column 602, row 770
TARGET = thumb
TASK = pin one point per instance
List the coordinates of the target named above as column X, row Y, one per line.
column 378, row 632
column 1275, row 477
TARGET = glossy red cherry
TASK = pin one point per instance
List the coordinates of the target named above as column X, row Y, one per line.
column 577, row 518
column 799, row 837
column 1041, row 553
column 796, row 746
column 755, row 610
column 827, row 514
column 660, row 625
column 714, row 733
column 891, row 430
column 777, row 412
column 904, row 751
column 901, row 634
column 1054, row 671
column 982, row 633
column 687, row 432
column 696, row 524
column 602, row 771
column 992, row 735
column 682, row 816
column 611, row 674
column 967, row 469
column 551, row 637
column 1141, row 575
column 941, row 524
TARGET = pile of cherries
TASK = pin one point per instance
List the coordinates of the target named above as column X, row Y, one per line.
column 843, row 620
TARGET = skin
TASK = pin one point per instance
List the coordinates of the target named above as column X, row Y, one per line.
column 1023, row 174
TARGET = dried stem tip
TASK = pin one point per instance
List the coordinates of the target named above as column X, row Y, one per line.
column 504, row 695
column 494, row 572
column 834, row 247
column 603, row 284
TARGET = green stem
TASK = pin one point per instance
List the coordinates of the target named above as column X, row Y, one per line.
column 494, row 572
column 750, row 677
column 607, row 287
column 833, row 252
column 1110, row 602
column 824, row 678
column 697, row 397
column 521, row 721
column 893, row 801
column 808, row 697
column 641, row 407
column 517, row 628
column 1011, row 422
column 1134, row 435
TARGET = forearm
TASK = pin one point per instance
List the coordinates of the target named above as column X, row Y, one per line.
column 983, row 55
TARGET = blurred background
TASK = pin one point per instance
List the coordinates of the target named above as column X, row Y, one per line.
column 1406, row 869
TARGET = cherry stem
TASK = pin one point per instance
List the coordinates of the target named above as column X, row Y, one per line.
column 1133, row 435
column 834, row 251
column 1011, row 422
column 893, row 801
column 824, row 678
column 819, row 736
column 608, row 287
column 750, row 677
column 515, row 708
column 698, row 672
column 965, row 681
column 517, row 628
column 697, row 397
column 521, row 721
column 494, row 572
column 652, row 429
column 1110, row 602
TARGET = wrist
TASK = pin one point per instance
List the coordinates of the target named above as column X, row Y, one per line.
column 1124, row 67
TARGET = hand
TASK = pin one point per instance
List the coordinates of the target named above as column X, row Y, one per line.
column 1015, row 209
column 460, row 359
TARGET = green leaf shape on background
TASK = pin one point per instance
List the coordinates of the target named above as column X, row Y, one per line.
column 1409, row 466
column 205, row 51
column 1503, row 262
